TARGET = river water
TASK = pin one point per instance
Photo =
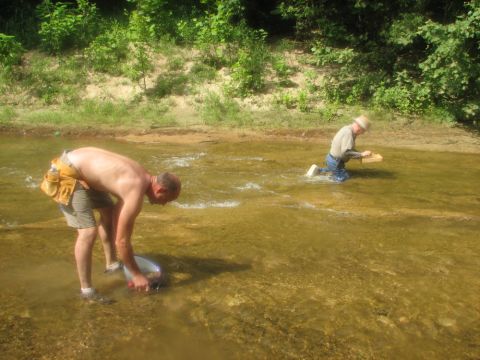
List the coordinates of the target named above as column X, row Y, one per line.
column 263, row 263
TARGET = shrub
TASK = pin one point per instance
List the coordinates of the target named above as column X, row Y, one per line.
column 141, row 35
column 158, row 16
column 168, row 84
column 300, row 100
column 248, row 72
column 108, row 50
column 63, row 26
column 54, row 82
column 326, row 55
column 201, row 72
column 452, row 66
column 282, row 70
column 222, row 110
column 10, row 51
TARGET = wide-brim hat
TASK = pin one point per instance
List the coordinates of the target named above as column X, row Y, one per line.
column 363, row 122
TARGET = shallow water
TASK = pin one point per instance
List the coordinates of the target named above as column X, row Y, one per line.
column 263, row 263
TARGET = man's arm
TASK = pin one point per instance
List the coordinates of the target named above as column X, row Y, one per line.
column 126, row 212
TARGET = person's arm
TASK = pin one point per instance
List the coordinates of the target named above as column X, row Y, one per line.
column 126, row 212
column 354, row 154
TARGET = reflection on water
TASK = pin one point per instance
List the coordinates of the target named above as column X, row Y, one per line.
column 262, row 262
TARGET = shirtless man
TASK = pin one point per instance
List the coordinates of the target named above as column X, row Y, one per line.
column 100, row 173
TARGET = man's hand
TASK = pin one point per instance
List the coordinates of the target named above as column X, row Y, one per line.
column 140, row 283
column 366, row 153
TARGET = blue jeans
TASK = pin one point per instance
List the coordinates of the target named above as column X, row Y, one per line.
column 337, row 167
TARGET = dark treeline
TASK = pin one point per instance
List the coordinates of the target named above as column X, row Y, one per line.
column 408, row 55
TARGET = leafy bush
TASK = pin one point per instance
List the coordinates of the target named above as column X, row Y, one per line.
column 248, row 72
column 301, row 100
column 222, row 110
column 405, row 95
column 218, row 34
column 7, row 114
column 282, row 70
column 140, row 35
column 108, row 50
column 286, row 99
column 54, row 82
column 158, row 15
column 63, row 26
column 168, row 84
column 201, row 72
column 10, row 51
column 175, row 63
column 452, row 66
column 403, row 31
column 325, row 55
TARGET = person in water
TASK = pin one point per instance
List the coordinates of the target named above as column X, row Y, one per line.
column 86, row 177
column 342, row 148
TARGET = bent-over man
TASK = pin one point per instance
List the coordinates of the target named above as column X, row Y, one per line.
column 86, row 179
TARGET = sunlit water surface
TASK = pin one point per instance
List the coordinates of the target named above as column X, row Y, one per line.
column 263, row 263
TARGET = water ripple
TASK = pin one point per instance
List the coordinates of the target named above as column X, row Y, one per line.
column 183, row 161
column 209, row 204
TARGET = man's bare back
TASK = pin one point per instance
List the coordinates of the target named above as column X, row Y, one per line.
column 110, row 172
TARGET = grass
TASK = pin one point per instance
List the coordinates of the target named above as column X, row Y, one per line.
column 7, row 114
column 49, row 91
column 218, row 110
column 102, row 115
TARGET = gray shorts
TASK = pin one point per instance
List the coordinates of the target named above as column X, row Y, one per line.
column 79, row 212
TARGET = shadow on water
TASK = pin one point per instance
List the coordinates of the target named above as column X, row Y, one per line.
column 372, row 173
column 198, row 269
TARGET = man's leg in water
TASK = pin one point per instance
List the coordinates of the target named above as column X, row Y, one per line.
column 337, row 167
column 105, row 228
column 83, row 255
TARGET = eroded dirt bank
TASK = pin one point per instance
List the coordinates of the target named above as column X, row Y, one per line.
column 422, row 137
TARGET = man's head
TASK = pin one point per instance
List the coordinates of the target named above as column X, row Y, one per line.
column 360, row 124
column 164, row 188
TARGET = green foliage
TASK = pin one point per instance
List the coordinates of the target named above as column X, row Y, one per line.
column 329, row 112
column 63, row 26
column 300, row 100
column 286, row 99
column 175, row 63
column 171, row 83
column 350, row 84
column 326, row 55
column 107, row 110
column 303, row 101
column 311, row 81
column 282, row 70
column 201, row 72
column 218, row 110
column 54, row 82
column 304, row 12
column 248, row 72
column 7, row 114
column 219, row 34
column 404, row 30
column 452, row 67
column 108, row 50
column 158, row 16
column 141, row 35
column 10, row 51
